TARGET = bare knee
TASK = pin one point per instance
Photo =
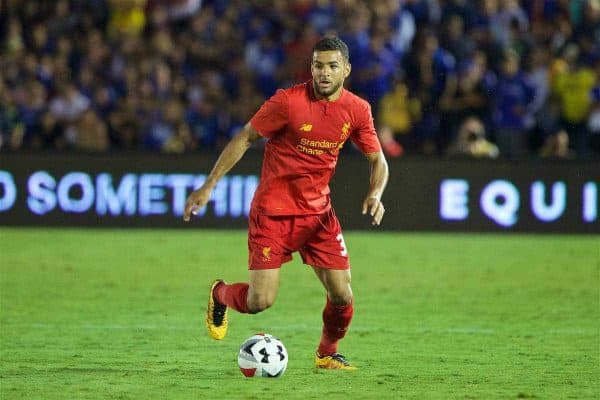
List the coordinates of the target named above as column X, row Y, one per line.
column 264, row 285
column 341, row 298
column 258, row 303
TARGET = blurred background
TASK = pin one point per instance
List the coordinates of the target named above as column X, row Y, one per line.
column 488, row 78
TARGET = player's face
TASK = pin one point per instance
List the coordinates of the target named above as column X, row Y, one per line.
column 329, row 69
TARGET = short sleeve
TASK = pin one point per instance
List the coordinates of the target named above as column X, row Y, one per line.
column 364, row 135
column 272, row 116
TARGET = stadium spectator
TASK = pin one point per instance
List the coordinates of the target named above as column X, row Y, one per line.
column 375, row 72
column 537, row 74
column 321, row 16
column 573, row 86
column 557, row 146
column 264, row 57
column 181, row 9
column 31, row 104
column 128, row 17
column 398, row 113
column 470, row 96
column 163, row 129
column 432, row 72
column 512, row 23
column 12, row 130
column 14, row 39
column 203, row 119
column 454, row 39
column 471, row 141
column 356, row 24
column 297, row 54
column 69, row 103
column 403, row 27
column 594, row 119
column 391, row 148
column 50, row 134
column 90, row 133
column 513, row 96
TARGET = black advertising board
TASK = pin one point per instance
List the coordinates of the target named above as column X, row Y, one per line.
column 424, row 194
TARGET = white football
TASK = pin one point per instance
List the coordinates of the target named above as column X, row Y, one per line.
column 262, row 355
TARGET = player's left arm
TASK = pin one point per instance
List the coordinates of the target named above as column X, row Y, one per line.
column 378, row 179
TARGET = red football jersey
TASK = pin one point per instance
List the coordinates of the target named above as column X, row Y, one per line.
column 304, row 138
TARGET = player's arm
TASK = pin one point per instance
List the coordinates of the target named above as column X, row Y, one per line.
column 231, row 154
column 378, row 179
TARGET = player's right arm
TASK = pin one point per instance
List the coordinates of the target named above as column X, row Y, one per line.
column 268, row 120
column 231, row 154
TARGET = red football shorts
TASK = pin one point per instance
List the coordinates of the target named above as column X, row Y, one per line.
column 318, row 239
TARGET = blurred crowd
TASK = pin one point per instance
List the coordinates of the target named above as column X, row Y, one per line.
column 485, row 78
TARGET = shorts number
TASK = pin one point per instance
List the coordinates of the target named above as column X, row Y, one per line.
column 344, row 251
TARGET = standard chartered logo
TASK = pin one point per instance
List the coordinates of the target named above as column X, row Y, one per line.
column 317, row 147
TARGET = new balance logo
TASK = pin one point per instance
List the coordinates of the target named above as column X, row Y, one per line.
column 306, row 127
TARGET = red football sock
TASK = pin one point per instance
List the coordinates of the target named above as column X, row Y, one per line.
column 336, row 318
column 234, row 296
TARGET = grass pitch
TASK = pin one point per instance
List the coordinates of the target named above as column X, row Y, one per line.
column 118, row 314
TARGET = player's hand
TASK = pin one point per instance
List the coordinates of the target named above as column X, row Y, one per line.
column 374, row 207
column 195, row 201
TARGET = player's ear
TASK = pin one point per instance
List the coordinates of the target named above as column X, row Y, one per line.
column 347, row 69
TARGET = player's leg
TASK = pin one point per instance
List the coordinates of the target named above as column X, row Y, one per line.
column 264, row 285
column 248, row 298
column 266, row 255
column 337, row 283
column 326, row 252
column 337, row 316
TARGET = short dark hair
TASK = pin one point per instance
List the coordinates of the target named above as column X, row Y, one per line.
column 333, row 43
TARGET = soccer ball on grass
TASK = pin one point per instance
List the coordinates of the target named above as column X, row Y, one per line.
column 262, row 355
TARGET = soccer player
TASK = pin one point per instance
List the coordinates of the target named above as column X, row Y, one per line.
column 306, row 126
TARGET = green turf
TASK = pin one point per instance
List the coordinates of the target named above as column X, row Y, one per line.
column 117, row 314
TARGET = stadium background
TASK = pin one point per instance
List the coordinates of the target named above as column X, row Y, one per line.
column 489, row 113
column 448, row 81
